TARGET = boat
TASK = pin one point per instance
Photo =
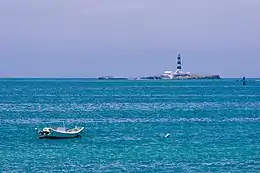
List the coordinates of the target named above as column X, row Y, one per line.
column 60, row 132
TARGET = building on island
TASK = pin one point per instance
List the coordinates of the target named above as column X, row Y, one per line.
column 178, row 73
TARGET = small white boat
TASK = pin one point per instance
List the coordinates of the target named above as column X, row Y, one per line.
column 60, row 132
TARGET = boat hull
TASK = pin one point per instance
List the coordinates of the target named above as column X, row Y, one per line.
column 58, row 137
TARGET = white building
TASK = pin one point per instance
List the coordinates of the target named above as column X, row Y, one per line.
column 167, row 75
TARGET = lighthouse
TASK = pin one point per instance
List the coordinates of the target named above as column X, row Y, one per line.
column 179, row 62
column 179, row 71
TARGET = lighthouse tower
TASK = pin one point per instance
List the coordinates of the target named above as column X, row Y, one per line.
column 179, row 62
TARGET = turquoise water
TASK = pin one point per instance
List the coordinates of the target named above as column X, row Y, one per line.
column 214, row 126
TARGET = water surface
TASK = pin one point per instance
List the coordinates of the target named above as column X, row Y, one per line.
column 214, row 125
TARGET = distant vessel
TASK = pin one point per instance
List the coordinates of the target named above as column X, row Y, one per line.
column 59, row 132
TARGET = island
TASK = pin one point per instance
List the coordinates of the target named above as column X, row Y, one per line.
column 169, row 75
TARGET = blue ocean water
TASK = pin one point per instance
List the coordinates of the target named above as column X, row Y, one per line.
column 214, row 125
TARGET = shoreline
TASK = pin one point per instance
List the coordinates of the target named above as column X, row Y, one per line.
column 181, row 77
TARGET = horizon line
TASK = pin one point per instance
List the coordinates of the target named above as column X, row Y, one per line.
column 124, row 78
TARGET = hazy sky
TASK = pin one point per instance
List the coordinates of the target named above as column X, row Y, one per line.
column 89, row 38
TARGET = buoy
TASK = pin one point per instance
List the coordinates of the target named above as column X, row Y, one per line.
column 167, row 135
column 244, row 80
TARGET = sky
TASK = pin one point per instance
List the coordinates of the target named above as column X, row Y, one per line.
column 130, row 38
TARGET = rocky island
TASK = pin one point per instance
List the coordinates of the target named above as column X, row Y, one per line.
column 178, row 74
column 168, row 75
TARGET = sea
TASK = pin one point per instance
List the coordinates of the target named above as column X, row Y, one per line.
column 212, row 125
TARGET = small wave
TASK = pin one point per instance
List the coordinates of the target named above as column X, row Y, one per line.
column 123, row 120
column 241, row 120
column 156, row 106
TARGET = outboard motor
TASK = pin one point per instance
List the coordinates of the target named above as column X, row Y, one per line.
column 43, row 132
